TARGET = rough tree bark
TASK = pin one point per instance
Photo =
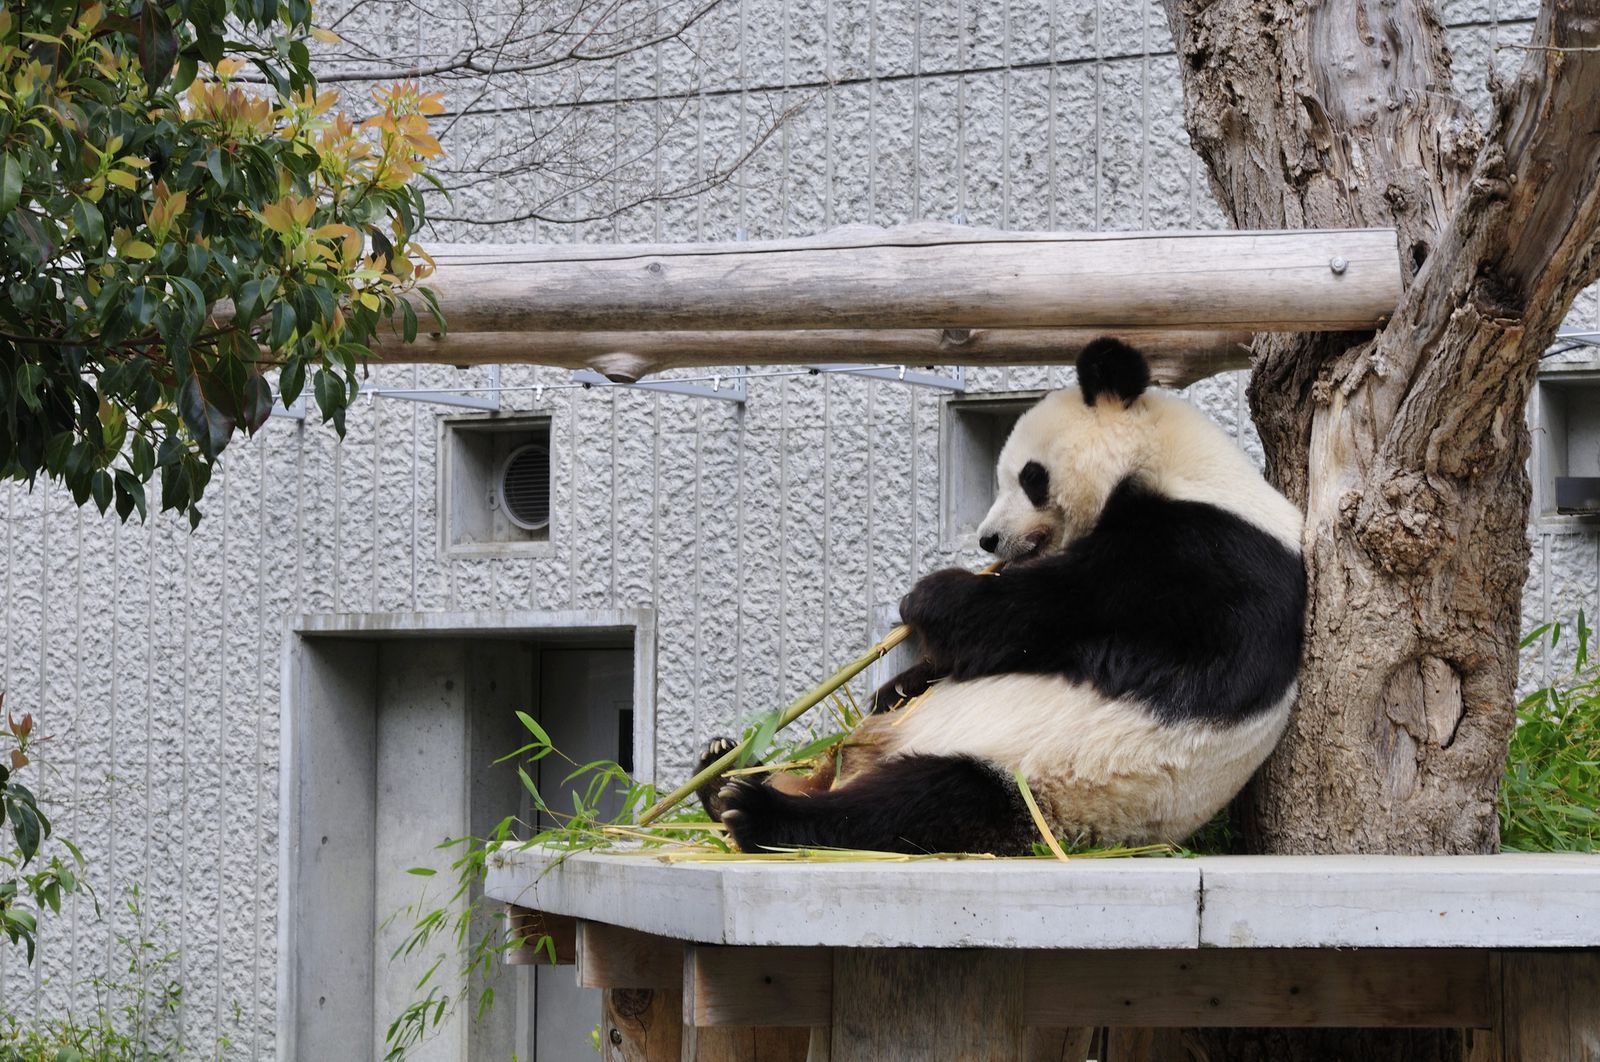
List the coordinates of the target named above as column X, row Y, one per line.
column 1407, row 448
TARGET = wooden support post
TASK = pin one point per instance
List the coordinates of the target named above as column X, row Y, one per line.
column 1144, row 1045
column 641, row 1025
column 745, row 1045
column 531, row 927
column 1548, row 1008
column 754, row 1003
column 1056, row 1045
column 894, row 1004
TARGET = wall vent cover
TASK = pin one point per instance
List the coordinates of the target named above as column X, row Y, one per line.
column 498, row 486
column 523, row 487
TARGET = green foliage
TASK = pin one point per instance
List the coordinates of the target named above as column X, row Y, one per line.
column 1550, row 796
column 29, row 884
column 168, row 237
column 1216, row 837
column 460, row 919
column 134, row 1014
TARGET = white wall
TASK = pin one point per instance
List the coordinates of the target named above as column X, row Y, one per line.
column 763, row 536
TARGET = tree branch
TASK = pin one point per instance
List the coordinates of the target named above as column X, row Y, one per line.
column 1513, row 259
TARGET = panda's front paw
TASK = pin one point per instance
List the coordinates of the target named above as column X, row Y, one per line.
column 934, row 596
column 911, row 683
column 748, row 811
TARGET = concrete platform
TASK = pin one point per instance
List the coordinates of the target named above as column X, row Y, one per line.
column 1246, row 902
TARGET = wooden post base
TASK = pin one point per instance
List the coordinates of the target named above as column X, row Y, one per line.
column 894, row 1004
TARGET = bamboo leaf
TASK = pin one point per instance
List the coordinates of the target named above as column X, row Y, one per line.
column 533, row 727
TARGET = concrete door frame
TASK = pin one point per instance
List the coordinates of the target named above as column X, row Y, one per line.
column 298, row 738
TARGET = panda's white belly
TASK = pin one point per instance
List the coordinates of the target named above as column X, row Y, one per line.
column 1102, row 767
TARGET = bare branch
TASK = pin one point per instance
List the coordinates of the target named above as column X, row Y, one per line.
column 569, row 139
column 1516, row 254
column 719, row 175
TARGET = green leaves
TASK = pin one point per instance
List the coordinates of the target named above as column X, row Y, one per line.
column 1550, row 795
column 22, row 877
column 10, row 183
column 157, row 45
column 208, row 423
column 89, row 224
column 142, row 195
column 28, row 824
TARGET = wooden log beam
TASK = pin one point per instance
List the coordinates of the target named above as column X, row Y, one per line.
column 1177, row 356
column 1213, row 987
column 933, row 276
column 612, row 957
column 1289, row 987
column 749, row 986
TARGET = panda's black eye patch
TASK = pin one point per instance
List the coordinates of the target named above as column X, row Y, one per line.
column 1035, row 483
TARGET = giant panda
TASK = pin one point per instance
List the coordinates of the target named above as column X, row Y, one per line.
column 1135, row 658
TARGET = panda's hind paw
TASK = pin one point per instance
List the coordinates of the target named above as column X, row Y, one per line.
column 747, row 809
column 715, row 749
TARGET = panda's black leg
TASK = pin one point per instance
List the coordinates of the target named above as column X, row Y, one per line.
column 715, row 749
column 913, row 804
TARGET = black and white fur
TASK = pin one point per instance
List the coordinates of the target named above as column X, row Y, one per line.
column 1135, row 660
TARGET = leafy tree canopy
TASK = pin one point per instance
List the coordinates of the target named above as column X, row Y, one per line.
column 168, row 236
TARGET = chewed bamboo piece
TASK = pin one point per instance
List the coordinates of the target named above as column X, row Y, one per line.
column 912, row 704
column 794, row 711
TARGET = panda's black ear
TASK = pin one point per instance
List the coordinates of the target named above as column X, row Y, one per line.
column 1110, row 367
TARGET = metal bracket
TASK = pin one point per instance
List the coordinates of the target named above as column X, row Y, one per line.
column 730, row 388
column 294, row 412
column 438, row 398
column 1587, row 336
column 953, row 380
column 456, row 398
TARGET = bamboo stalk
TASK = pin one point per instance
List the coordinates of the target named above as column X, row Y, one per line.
column 795, row 710
column 790, row 714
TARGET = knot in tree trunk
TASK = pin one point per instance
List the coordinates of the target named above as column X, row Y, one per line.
column 1404, row 530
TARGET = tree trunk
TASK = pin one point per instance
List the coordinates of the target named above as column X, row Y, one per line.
column 1406, row 448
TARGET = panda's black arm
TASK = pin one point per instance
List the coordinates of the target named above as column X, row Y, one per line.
column 974, row 625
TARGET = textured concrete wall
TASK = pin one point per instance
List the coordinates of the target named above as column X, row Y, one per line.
column 767, row 537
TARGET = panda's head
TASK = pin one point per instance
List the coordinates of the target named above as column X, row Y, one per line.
column 1069, row 452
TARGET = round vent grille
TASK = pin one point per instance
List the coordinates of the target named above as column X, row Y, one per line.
column 524, row 487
